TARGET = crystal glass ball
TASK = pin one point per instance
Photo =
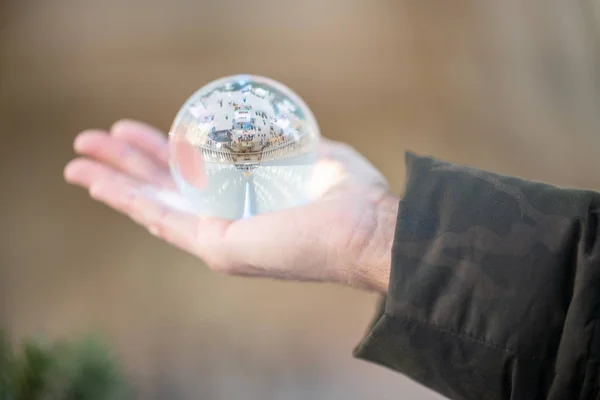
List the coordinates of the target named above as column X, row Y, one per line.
column 243, row 145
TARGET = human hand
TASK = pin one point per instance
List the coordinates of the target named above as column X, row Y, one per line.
column 344, row 236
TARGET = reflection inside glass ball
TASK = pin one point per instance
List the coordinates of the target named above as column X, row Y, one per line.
column 242, row 146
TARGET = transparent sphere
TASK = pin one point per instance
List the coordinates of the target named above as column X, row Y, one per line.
column 243, row 145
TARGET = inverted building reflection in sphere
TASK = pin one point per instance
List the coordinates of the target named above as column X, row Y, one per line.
column 242, row 146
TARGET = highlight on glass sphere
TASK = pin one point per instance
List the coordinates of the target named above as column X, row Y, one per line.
column 243, row 145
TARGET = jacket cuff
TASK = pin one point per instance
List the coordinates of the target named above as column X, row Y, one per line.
column 407, row 334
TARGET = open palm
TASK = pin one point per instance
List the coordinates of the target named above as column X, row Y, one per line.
column 343, row 236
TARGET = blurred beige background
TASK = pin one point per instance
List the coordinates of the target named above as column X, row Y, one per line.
column 512, row 86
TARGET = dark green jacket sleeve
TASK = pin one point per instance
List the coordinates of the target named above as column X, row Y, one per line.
column 494, row 289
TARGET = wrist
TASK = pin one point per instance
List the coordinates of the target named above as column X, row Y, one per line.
column 373, row 270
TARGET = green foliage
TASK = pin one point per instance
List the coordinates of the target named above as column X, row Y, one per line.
column 81, row 370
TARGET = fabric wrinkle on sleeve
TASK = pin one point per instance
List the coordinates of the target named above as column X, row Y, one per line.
column 494, row 286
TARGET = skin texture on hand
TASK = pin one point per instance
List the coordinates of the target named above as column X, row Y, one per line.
column 344, row 235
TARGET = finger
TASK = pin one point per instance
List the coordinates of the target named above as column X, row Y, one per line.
column 327, row 142
column 190, row 163
column 84, row 172
column 164, row 213
column 329, row 148
column 133, row 200
column 144, row 137
column 343, row 152
column 122, row 156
